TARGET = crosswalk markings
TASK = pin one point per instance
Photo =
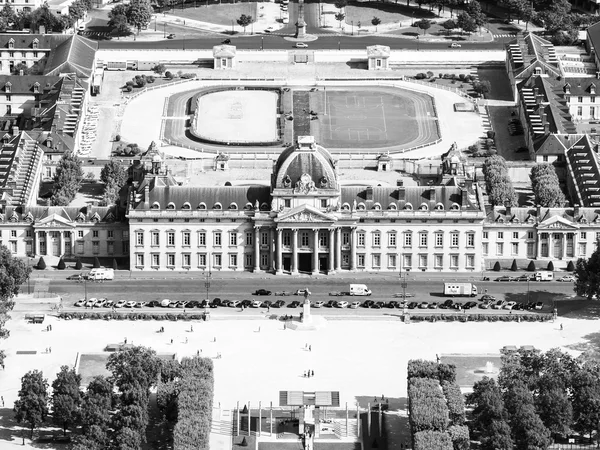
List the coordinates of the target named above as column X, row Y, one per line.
column 505, row 35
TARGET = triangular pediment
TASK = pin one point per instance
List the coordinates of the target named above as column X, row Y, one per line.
column 54, row 220
column 304, row 214
column 557, row 222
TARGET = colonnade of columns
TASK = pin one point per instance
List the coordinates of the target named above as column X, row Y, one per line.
column 46, row 238
column 550, row 241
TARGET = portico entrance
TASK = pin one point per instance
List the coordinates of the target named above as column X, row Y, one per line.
column 305, row 262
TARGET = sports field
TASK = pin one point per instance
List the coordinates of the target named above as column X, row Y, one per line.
column 237, row 116
column 371, row 118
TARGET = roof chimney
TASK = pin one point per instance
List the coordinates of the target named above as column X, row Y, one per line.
column 15, row 130
column 401, row 193
column 576, row 210
column 21, row 72
column 538, row 210
column 369, row 194
column 432, row 198
column 147, row 196
column 508, row 212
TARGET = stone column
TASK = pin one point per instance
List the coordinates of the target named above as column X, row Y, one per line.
column 338, row 249
column 295, row 251
column 331, row 250
column 256, row 249
column 564, row 246
column 61, row 244
column 550, row 246
column 271, row 249
column 315, row 267
column 539, row 245
column 353, row 250
column 576, row 245
column 278, row 245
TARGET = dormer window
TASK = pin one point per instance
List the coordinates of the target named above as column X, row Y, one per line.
column 538, row 70
column 11, row 43
column 592, row 88
column 567, row 88
column 36, row 88
column 8, row 87
column 35, row 44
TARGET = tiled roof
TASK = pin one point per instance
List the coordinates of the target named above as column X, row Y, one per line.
column 70, row 213
column 378, row 50
column 224, row 51
column 584, row 170
column 45, row 41
column 530, row 52
column 515, row 215
column 72, row 56
column 593, row 33
column 24, row 84
column 581, row 86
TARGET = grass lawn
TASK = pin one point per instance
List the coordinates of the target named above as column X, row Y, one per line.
column 387, row 12
column 91, row 365
column 218, row 14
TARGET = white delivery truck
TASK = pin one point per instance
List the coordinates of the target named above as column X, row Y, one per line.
column 359, row 289
column 101, row 274
column 544, row 276
column 460, row 289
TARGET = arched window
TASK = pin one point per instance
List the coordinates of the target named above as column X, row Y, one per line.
column 392, row 206
column 202, row 205
column 346, row 207
column 361, row 206
column 377, row 206
column 186, row 205
column 233, row 206
column 424, row 207
column 218, row 206
column 171, row 205
column 439, row 206
column 155, row 205
column 408, row 206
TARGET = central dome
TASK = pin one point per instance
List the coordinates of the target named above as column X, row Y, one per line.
column 302, row 161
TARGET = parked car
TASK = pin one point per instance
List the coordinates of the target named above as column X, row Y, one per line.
column 487, row 297
column 433, row 305
column 226, row 41
column 567, row 278
column 165, row 303
column 153, row 304
column 294, row 304
column 130, row 304
column 447, row 304
column 505, row 278
column 171, row 36
column 279, row 304
column 262, row 292
column 342, row 304
column 267, row 304
column 375, row 306
column 354, row 305
column 182, row 304
column 403, row 295
column 216, row 303
column 424, row 305
column 193, row 304
column 510, row 305
column 381, row 304
column 455, row 45
column 234, row 303
column 368, row 303
column 246, row 303
column 485, row 304
column 539, row 305
column 80, row 302
column 393, row 304
column 120, row 304
column 268, row 30
column 301, row 292
column 91, row 302
column 318, row 304
column 109, row 304
column 519, row 306
column 525, row 277
column 75, row 277
column 301, row 45
column 330, row 304
column 499, row 304
column 470, row 305
column 413, row 305
column 100, row 303
column 256, row 303
column 337, row 294
column 226, row 303
column 140, row 304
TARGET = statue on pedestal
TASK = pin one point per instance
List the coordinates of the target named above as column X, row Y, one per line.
column 306, row 307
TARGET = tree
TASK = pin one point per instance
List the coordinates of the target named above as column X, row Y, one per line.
column 449, row 25
column 499, row 186
column 159, row 69
column 466, row 23
column 66, row 398
column 340, row 17
column 570, row 266
column 482, row 87
column 550, row 266
column 554, row 407
column 96, row 263
column 32, row 405
column 61, row 264
column 531, row 267
column 115, row 265
column 67, row 179
column 244, row 21
column 139, row 14
column 113, row 172
column 339, row 4
column 78, row 265
column 555, row 15
column 473, row 9
column 424, row 24
column 375, row 21
column 586, row 398
column 497, row 267
column 514, row 267
column 587, row 275
column 77, row 10
column 497, row 436
column 134, row 366
column 528, row 429
column 119, row 24
column 41, row 265
column 546, row 186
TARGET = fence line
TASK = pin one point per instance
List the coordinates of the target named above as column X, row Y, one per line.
column 152, row 88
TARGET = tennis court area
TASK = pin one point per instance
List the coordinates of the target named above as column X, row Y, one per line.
column 379, row 117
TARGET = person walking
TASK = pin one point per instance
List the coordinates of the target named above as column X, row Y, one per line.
column 561, row 327
column 310, row 348
column 312, row 373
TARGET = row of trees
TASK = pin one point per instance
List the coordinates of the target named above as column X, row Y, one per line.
column 538, row 396
column 103, row 419
column 546, row 186
column 43, row 16
column 436, row 405
column 114, row 176
column 136, row 13
column 499, row 186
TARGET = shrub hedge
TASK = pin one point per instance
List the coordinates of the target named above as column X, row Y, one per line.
column 455, row 402
column 427, row 406
column 419, row 368
column 194, row 404
column 459, row 434
column 432, row 440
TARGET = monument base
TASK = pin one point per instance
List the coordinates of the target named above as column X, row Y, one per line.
column 315, row 323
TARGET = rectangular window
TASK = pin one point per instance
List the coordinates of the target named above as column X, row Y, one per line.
column 470, row 261
column 345, row 259
column 500, row 235
column 139, row 260
column 233, row 260
column 287, row 239
column 454, row 239
column 13, row 233
column 361, row 239
column 139, row 238
column 470, row 239
column 345, row 238
column 407, row 261
column 155, row 239
column 95, row 233
column 29, row 233
column 579, row 110
column 391, row 260
column 485, row 248
column 264, row 238
column 186, row 238
column 13, row 246
column 515, row 235
column 110, row 248
column 304, row 239
column 248, row 260
column 377, row 239
column 287, row 203
column 125, row 235
column 323, row 238
column 111, row 234
column 439, row 261
column 583, row 235
column 186, row 260
column 408, row 239
column 484, row 235
column 530, row 235
column 392, row 240
column 202, row 259
column 171, row 240
column 201, row 238
column 499, row 248
column 217, row 238
column 323, row 203
column 530, row 250
column 582, row 249
column 376, row 261
column 422, row 261
column 233, row 238
column 597, row 237
column 514, row 248
column 155, row 260
column 8, row 97
column 95, row 247
column 592, row 112
column 249, row 237
column 80, row 248
column 454, row 261
column 580, row 99
column 170, row 259
column 592, row 99
column 439, row 239
column 361, row 260
column 423, row 239
column 217, row 260
column 264, row 260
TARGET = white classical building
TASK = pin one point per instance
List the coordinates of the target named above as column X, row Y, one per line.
column 305, row 221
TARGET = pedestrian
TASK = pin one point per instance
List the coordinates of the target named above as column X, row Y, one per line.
column 259, row 329
column 437, row 358
column 125, row 340
column 561, row 327
column 171, row 340
column 186, row 340
column 191, row 328
column 47, row 350
column 305, row 346
column 284, row 326
column 50, row 327
column 382, row 397
column 215, row 339
column 2, row 398
column 312, row 373
column 50, row 348
column 198, row 353
column 310, row 348
column 304, row 374
column 184, row 311
column 268, row 308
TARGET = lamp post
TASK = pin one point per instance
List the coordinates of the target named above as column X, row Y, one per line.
column 232, row 31
column 352, row 27
column 29, row 276
column 184, row 41
column 164, row 30
column 207, row 286
column 339, row 45
column 262, row 42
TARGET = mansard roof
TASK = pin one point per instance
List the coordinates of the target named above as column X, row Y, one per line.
column 541, row 215
column 103, row 214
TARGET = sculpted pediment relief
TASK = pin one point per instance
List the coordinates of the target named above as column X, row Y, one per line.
column 305, row 214
column 557, row 223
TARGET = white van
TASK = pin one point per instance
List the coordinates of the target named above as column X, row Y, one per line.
column 544, row 276
column 101, row 273
column 359, row 289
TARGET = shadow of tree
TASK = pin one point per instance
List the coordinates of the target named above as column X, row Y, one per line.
column 590, row 349
column 11, row 431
